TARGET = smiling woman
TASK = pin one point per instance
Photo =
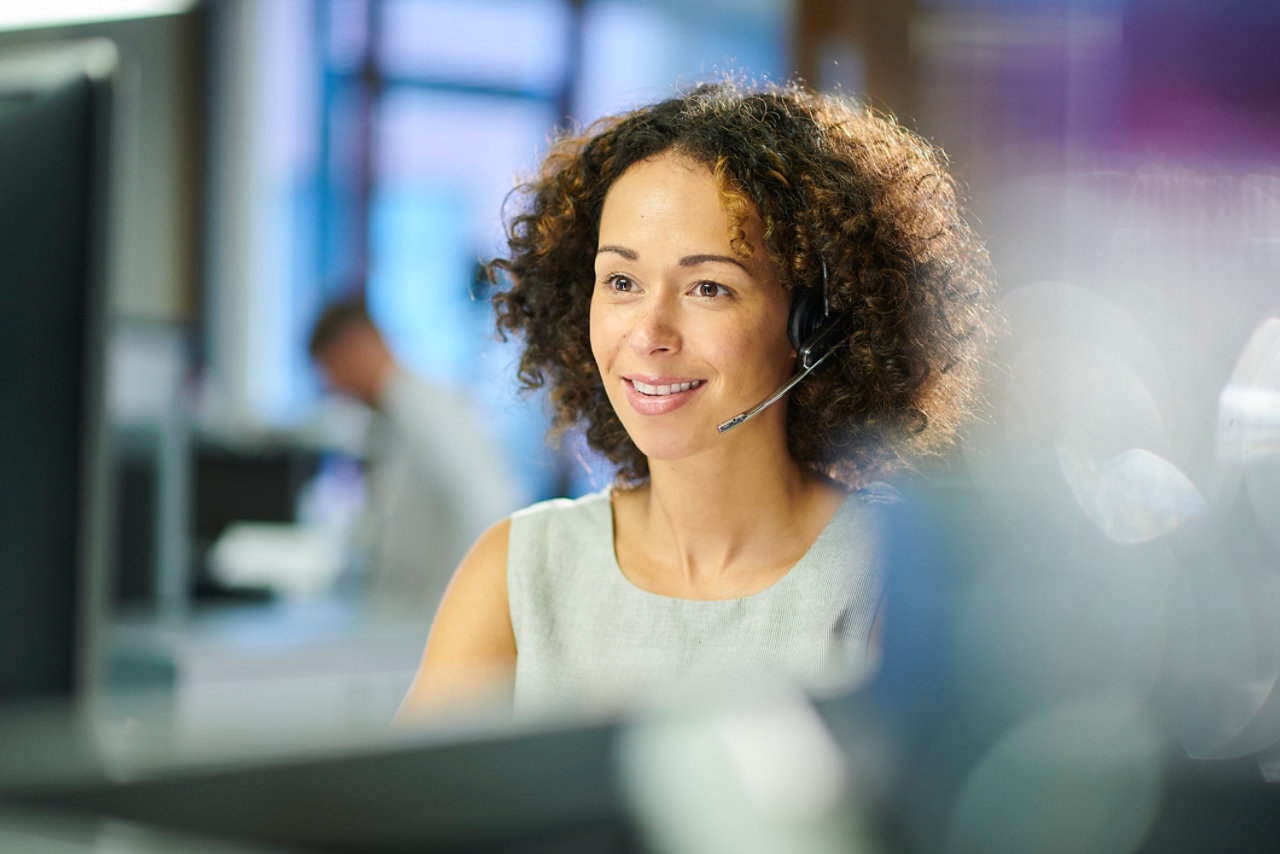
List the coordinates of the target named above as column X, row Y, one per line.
column 673, row 268
column 680, row 326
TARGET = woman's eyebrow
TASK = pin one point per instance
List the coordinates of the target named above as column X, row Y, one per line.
column 695, row 260
column 629, row 254
column 686, row 261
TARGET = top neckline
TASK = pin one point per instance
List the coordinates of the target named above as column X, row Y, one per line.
column 849, row 505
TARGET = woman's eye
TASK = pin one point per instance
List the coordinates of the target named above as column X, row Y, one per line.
column 618, row 282
column 710, row 290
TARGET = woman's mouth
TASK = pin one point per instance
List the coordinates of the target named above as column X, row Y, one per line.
column 664, row 390
column 659, row 395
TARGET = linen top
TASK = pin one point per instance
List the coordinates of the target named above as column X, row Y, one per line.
column 587, row 636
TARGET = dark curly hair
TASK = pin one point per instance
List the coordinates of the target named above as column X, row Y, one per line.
column 836, row 185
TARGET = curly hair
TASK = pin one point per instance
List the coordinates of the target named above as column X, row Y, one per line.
column 837, row 186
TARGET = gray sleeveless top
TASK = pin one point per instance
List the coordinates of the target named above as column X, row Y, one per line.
column 586, row 636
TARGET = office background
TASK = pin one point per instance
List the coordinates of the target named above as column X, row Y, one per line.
column 1120, row 156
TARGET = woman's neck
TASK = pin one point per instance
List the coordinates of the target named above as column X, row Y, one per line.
column 715, row 528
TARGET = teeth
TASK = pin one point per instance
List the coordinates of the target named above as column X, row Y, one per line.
column 663, row 390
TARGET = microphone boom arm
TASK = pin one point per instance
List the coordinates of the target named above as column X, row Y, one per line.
column 743, row 417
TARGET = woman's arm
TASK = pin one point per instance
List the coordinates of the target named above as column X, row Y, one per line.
column 471, row 651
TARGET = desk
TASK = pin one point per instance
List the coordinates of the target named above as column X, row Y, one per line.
column 268, row 676
column 34, row 831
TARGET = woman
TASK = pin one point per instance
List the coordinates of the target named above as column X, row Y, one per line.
column 656, row 274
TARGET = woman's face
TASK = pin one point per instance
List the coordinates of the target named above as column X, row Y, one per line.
column 686, row 332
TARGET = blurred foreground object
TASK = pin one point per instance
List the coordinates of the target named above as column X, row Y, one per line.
column 1038, row 685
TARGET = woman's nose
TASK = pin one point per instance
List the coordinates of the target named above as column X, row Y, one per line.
column 656, row 328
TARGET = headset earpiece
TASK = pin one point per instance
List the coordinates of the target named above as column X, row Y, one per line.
column 810, row 327
column 808, row 315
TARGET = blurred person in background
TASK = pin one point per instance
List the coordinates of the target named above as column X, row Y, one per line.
column 433, row 481
column 672, row 273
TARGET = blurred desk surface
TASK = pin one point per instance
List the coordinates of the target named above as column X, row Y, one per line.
column 274, row 674
column 34, row 831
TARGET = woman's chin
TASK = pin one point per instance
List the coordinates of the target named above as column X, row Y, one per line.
column 669, row 449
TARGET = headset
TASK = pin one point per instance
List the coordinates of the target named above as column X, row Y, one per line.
column 811, row 328
column 814, row 333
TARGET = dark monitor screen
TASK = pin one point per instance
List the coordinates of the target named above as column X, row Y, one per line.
column 55, row 105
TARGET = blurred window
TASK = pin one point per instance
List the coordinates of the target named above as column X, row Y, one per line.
column 512, row 44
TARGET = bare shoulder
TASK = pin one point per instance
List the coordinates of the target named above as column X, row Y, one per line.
column 485, row 563
column 471, row 651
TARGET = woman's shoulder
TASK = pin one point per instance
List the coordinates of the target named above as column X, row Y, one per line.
column 559, row 527
column 485, row 562
column 865, row 511
column 877, row 492
column 588, row 503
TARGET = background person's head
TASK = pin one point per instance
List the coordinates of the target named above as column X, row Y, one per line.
column 835, row 185
column 350, row 351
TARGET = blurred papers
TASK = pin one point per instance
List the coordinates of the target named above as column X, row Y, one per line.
column 289, row 559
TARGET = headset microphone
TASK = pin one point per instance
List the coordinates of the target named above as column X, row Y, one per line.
column 771, row 399
column 813, row 332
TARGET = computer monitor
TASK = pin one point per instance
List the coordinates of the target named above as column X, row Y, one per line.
column 55, row 152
